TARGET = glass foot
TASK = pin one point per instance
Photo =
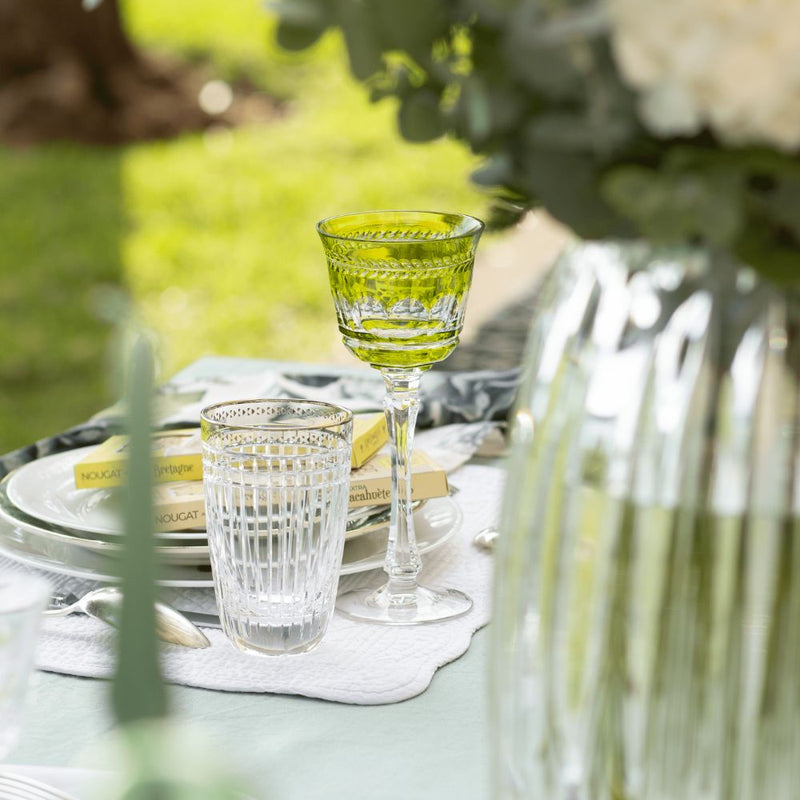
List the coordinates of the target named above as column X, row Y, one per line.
column 414, row 607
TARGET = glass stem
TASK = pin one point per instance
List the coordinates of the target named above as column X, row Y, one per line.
column 401, row 403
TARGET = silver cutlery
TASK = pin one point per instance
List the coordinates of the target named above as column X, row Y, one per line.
column 105, row 604
column 14, row 786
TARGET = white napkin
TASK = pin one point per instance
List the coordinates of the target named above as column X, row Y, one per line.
column 355, row 662
column 182, row 401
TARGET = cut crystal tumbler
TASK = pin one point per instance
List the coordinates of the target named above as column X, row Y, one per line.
column 276, row 476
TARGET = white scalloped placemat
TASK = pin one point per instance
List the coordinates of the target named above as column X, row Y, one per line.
column 355, row 662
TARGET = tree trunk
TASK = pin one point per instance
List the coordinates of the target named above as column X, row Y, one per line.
column 69, row 73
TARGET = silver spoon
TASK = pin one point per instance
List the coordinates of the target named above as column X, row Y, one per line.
column 105, row 604
column 485, row 539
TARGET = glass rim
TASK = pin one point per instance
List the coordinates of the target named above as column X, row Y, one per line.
column 343, row 415
column 476, row 227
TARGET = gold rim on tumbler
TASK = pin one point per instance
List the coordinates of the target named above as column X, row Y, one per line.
column 276, row 476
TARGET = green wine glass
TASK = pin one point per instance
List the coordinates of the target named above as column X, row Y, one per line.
column 399, row 281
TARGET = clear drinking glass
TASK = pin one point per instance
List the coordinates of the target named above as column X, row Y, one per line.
column 276, row 475
column 400, row 281
column 22, row 600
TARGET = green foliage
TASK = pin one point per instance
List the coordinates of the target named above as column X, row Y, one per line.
column 235, row 265
column 212, row 235
column 138, row 692
column 165, row 759
column 62, row 221
column 419, row 117
column 532, row 86
column 678, row 205
column 236, row 40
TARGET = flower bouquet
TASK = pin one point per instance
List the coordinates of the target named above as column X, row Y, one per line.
column 677, row 122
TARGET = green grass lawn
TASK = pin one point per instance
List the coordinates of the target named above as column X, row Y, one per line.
column 212, row 235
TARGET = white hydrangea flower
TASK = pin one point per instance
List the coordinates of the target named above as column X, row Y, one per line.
column 731, row 64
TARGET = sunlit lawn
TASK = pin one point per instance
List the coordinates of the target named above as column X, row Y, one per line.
column 212, row 234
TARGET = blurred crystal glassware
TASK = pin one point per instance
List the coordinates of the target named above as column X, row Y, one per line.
column 646, row 632
column 276, row 475
column 22, row 599
column 399, row 281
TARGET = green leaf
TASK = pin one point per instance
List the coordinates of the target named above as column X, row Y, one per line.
column 477, row 110
column 308, row 13
column 565, row 184
column 138, row 691
column 682, row 206
column 419, row 117
column 300, row 22
column 561, row 131
column 360, row 27
column 544, row 69
column 166, row 759
column 411, row 25
column 493, row 12
column 783, row 204
column 504, row 213
column 498, row 170
column 578, row 132
column 758, row 249
column 296, row 37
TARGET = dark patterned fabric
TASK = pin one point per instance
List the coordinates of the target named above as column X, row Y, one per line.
column 80, row 436
column 446, row 398
column 450, row 397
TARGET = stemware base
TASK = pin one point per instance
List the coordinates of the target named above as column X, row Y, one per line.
column 416, row 606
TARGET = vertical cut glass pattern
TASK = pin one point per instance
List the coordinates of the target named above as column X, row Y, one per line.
column 276, row 477
column 647, row 603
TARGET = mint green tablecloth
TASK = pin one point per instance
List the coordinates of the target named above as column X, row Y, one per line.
column 432, row 746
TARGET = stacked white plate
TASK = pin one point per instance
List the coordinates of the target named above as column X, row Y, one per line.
column 48, row 523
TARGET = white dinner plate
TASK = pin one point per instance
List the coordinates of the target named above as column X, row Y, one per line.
column 44, row 489
column 65, row 558
column 75, row 781
column 366, row 519
column 100, row 542
column 435, row 522
column 181, row 554
column 186, row 551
